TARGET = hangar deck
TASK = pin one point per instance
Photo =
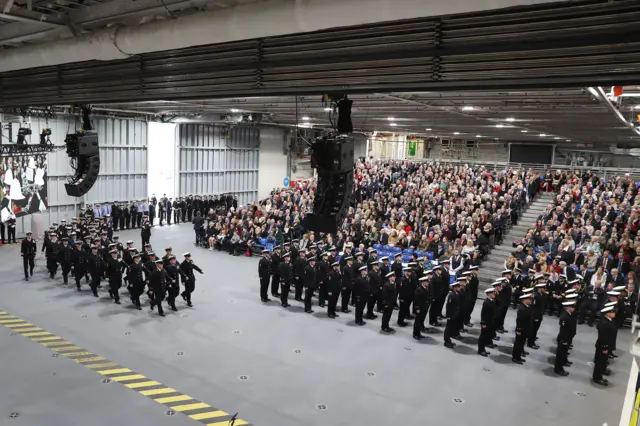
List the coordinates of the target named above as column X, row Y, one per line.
column 274, row 367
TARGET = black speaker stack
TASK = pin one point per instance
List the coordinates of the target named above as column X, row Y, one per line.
column 332, row 157
column 83, row 148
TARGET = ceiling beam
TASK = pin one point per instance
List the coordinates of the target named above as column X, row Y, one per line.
column 16, row 17
column 98, row 15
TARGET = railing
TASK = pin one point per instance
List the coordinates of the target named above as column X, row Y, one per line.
column 604, row 172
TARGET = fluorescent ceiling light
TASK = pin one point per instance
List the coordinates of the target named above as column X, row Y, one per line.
column 523, row 131
column 556, row 138
column 428, row 130
column 392, row 124
column 327, row 109
column 467, row 108
column 568, row 140
column 478, row 136
column 511, row 119
column 305, row 118
column 456, row 133
column 235, row 110
column 542, row 135
column 499, row 126
column 390, row 118
column 305, row 125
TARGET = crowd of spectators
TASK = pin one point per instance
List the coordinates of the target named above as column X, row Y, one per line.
column 447, row 210
column 590, row 229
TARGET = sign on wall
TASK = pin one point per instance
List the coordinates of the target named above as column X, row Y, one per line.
column 23, row 185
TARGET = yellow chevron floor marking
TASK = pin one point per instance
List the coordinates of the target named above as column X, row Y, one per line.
column 128, row 378
column 117, row 373
column 51, row 345
column 45, row 339
column 160, row 391
column 189, row 407
column 66, row 348
column 36, row 334
column 208, row 415
column 169, row 399
column 238, row 422
column 20, row 325
column 141, row 384
column 114, row 371
column 28, row 329
column 77, row 354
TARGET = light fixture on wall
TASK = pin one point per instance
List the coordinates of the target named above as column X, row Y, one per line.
column 467, row 108
column 478, row 136
column 556, row 138
column 456, row 133
column 524, row 131
column 305, row 118
column 428, row 130
column 499, row 126
column 542, row 135
column 234, row 110
column 392, row 124
column 390, row 118
column 327, row 109
column 511, row 119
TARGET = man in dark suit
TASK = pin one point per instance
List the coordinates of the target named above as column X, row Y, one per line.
column 567, row 271
column 621, row 265
column 578, row 257
column 606, row 262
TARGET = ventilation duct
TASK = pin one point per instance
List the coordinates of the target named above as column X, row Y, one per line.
column 243, row 22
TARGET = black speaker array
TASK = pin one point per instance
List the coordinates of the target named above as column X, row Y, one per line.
column 332, row 157
column 83, row 146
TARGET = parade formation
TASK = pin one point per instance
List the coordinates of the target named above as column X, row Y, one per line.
column 86, row 249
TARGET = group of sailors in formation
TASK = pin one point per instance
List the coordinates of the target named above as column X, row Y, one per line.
column 366, row 282
column 89, row 253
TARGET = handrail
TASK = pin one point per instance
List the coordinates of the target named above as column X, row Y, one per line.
column 604, row 172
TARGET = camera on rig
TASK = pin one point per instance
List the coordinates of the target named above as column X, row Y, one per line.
column 44, row 137
column 22, row 132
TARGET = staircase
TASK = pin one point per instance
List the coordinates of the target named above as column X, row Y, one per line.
column 493, row 264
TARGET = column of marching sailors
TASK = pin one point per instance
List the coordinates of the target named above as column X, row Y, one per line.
column 415, row 290
column 95, row 257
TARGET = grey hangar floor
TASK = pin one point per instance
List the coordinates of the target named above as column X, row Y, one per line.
column 297, row 369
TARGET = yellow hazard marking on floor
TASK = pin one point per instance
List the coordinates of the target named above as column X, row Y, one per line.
column 160, row 391
column 120, row 374
column 141, row 384
column 190, row 407
column 208, row 415
column 114, row 371
column 169, row 399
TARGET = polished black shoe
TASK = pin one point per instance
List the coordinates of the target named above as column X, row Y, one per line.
column 372, row 317
column 449, row 345
column 612, row 355
column 162, row 314
column 276, row 295
column 518, row 361
column 440, row 317
column 402, row 324
column 418, row 336
column 309, row 311
column 496, row 338
column 534, row 347
column 568, row 364
column 322, row 305
column 607, row 372
column 138, row 308
column 457, row 337
column 346, row 311
column 484, row 353
column 298, row 299
column 562, row 373
column 464, row 330
column 117, row 302
column 600, row 382
column 265, row 300
column 410, row 317
column 388, row 330
column 525, row 353
column 469, row 324
column 174, row 309
column 492, row 346
column 361, row 323
column 190, row 305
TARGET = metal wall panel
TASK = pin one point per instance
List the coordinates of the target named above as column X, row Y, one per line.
column 219, row 159
column 123, row 166
column 123, row 161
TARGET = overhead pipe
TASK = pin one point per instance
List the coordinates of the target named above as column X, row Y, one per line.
column 242, row 22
